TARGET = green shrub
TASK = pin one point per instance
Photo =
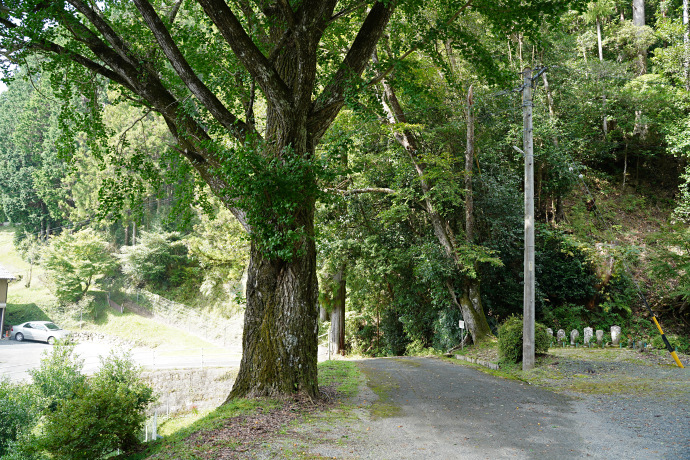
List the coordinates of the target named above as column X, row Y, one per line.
column 360, row 334
column 567, row 316
column 160, row 260
column 510, row 339
column 18, row 412
column 84, row 418
column 58, row 375
column 447, row 334
column 681, row 343
column 105, row 414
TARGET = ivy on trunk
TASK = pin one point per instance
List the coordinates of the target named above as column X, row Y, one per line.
column 266, row 178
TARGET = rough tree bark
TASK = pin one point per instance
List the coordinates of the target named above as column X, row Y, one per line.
column 280, row 334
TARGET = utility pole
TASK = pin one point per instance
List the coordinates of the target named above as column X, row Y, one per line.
column 686, row 45
column 528, row 300
column 469, row 158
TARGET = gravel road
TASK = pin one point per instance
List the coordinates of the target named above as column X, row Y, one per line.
column 429, row 408
column 449, row 411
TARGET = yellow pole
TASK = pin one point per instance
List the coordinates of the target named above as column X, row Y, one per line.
column 668, row 345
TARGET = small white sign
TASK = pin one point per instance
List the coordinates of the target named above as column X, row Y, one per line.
column 462, row 324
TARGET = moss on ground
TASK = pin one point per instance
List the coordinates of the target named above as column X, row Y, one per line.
column 381, row 383
column 596, row 371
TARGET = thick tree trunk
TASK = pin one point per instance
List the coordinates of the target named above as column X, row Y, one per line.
column 474, row 311
column 471, row 302
column 280, row 321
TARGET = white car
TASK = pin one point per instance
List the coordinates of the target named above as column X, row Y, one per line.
column 45, row 331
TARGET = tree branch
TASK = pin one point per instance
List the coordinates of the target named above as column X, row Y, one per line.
column 79, row 59
column 104, row 28
column 249, row 55
column 358, row 191
column 331, row 98
column 342, row 13
column 8, row 24
column 388, row 70
column 229, row 121
column 287, row 12
column 174, row 10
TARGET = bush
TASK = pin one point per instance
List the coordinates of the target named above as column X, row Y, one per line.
column 58, row 376
column 360, row 334
column 18, row 412
column 567, row 316
column 510, row 339
column 681, row 343
column 447, row 333
column 85, row 418
column 105, row 414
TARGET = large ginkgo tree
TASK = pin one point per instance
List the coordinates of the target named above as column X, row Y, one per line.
column 247, row 88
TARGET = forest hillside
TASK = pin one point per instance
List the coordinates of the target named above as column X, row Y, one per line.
column 415, row 189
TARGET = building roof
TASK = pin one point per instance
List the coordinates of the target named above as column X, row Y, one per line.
column 5, row 274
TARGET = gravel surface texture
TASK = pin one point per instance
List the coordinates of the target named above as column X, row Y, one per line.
column 604, row 405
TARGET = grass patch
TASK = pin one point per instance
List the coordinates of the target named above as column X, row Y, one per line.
column 408, row 362
column 594, row 371
column 343, row 375
column 487, row 350
column 177, row 423
column 11, row 259
column 179, row 443
column 618, row 386
column 146, row 332
column 184, row 432
column 33, row 303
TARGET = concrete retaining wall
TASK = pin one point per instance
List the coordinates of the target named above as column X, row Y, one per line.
column 481, row 362
column 186, row 389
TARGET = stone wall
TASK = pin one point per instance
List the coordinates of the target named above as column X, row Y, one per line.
column 186, row 389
